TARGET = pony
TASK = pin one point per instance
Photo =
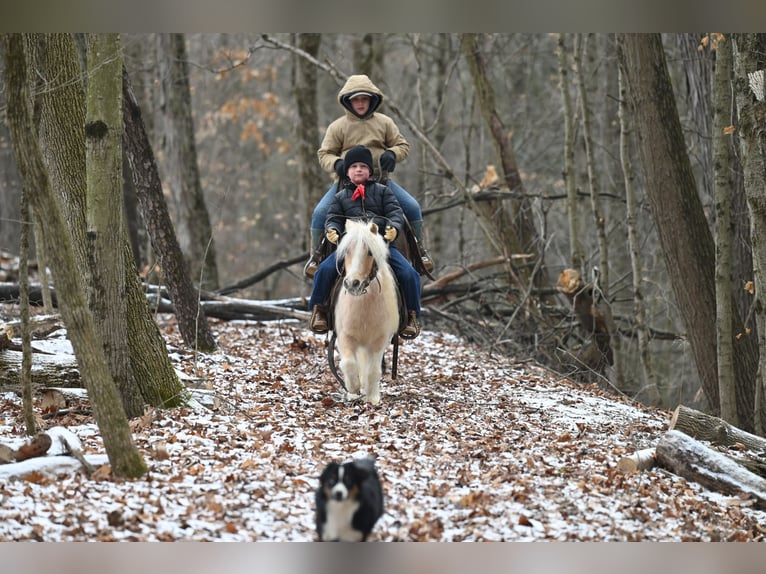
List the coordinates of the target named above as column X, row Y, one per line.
column 366, row 312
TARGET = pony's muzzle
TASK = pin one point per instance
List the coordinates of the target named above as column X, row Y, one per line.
column 355, row 286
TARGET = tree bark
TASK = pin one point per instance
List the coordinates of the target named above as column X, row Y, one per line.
column 576, row 254
column 103, row 161
column 125, row 459
column 752, row 115
column 312, row 178
column 194, row 231
column 723, row 224
column 639, row 460
column 192, row 322
column 713, row 429
column 687, row 244
column 631, row 222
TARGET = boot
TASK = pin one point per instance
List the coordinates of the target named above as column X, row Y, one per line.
column 426, row 258
column 417, row 228
column 313, row 263
column 318, row 322
column 412, row 329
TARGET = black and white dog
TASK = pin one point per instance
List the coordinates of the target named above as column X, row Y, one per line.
column 349, row 501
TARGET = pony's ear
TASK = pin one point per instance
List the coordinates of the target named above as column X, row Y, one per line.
column 374, row 227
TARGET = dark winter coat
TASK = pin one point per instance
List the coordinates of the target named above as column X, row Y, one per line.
column 379, row 205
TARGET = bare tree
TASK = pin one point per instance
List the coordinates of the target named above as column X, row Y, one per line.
column 103, row 161
column 602, row 273
column 510, row 226
column 749, row 65
column 192, row 321
column 687, row 244
column 312, row 178
column 639, row 305
column 124, row 457
column 723, row 226
column 60, row 102
column 576, row 256
column 192, row 218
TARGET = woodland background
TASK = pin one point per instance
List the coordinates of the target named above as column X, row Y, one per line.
column 557, row 234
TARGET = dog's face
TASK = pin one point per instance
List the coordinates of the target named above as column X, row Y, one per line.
column 342, row 481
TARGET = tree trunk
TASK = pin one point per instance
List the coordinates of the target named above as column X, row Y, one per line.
column 312, row 178
column 598, row 217
column 10, row 183
column 192, row 322
column 685, row 237
column 125, row 459
column 60, row 106
column 723, row 225
column 195, row 234
column 576, row 254
column 634, row 246
column 752, row 116
column 103, row 160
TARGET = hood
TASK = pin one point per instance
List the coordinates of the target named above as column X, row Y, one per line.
column 360, row 84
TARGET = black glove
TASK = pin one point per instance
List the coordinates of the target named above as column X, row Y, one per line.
column 340, row 168
column 388, row 161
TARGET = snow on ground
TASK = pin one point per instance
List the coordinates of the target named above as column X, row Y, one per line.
column 470, row 447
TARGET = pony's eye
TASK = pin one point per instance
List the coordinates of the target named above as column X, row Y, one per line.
column 369, row 253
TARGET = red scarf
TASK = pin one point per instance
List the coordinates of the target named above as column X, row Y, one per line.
column 358, row 192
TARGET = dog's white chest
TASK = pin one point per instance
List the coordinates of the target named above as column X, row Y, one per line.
column 338, row 525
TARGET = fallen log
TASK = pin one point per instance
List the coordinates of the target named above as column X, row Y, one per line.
column 712, row 429
column 692, row 460
column 48, row 370
column 639, row 460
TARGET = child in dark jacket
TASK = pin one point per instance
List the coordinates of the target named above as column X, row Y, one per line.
column 364, row 198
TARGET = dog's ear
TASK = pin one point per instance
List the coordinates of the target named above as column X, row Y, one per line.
column 363, row 467
column 329, row 470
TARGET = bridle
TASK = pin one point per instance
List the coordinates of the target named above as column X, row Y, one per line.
column 361, row 288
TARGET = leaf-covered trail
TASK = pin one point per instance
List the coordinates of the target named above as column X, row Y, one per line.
column 469, row 447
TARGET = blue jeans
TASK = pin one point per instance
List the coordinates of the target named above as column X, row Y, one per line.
column 409, row 204
column 406, row 276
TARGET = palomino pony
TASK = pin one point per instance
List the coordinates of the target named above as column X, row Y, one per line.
column 366, row 314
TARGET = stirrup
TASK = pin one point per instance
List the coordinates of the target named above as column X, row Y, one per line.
column 311, row 267
column 427, row 263
column 425, row 258
column 318, row 322
column 412, row 329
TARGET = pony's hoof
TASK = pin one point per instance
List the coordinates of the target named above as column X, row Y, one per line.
column 374, row 399
column 352, row 396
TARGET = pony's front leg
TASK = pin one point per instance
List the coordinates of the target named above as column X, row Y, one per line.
column 374, row 372
column 350, row 369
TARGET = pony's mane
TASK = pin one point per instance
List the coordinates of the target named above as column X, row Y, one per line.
column 360, row 231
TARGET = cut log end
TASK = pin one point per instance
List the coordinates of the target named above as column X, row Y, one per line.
column 640, row 460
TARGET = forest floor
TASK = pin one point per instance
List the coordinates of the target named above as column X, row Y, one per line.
column 469, row 446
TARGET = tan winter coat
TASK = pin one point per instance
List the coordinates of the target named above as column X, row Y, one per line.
column 375, row 130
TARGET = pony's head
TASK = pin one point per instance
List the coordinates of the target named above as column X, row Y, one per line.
column 364, row 252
